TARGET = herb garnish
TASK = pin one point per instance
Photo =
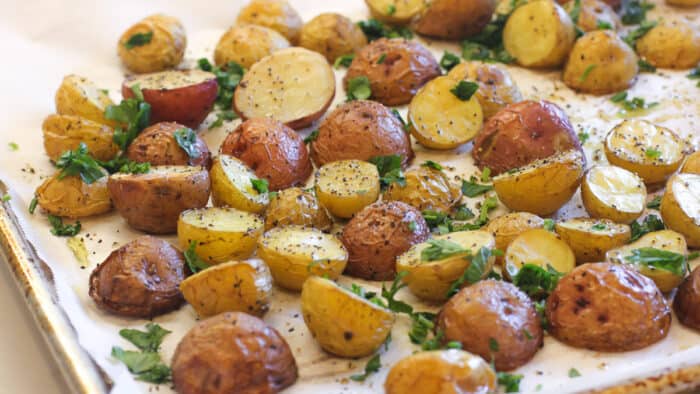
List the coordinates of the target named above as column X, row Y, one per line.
column 132, row 167
column 548, row 225
column 636, row 103
column 134, row 113
column 441, row 249
column 371, row 367
column 389, row 168
column 652, row 153
column 398, row 116
column 449, row 60
column 138, row 40
column 311, row 137
column 464, row 90
column 260, row 185
column 146, row 364
column 488, row 44
column 344, row 60
column 655, row 203
column 32, row 205
column 227, row 76
column 432, row 164
column 375, row 29
column 6, row 198
column 60, row 229
column 650, row 224
column 509, row 382
column 389, row 295
column 358, row 89
column 381, row 58
column 659, row 259
column 147, row 341
column 603, row 25
column 13, row 146
column 221, row 116
column 194, row 262
column 79, row 162
column 574, row 373
column 390, row 9
column 599, row 227
column 475, row 271
column 472, row 189
column 645, row 66
column 587, row 72
column 583, row 137
column 634, row 11
column 639, row 32
column 187, row 140
column 535, row 281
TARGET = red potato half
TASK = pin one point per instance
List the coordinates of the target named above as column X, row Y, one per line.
column 185, row 97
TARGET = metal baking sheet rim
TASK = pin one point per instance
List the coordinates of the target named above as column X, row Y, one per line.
column 35, row 280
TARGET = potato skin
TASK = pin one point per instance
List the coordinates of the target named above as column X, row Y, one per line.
column 375, row 236
column 407, row 66
column 271, row 149
column 477, row 315
column 79, row 96
column 157, row 145
column 247, row 44
column 71, row 197
column 233, row 352
column 65, row 132
column 496, row 87
column 454, row 19
column 332, row 35
column 607, row 307
column 521, row 133
column 165, row 50
column 426, row 189
column 593, row 11
column 687, row 301
column 140, row 279
column 299, row 207
column 671, row 44
column 278, row 15
column 692, row 164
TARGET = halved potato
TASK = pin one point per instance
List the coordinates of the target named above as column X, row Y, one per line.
column 431, row 280
column 395, row 12
column 651, row 151
column 539, row 34
column 65, row 132
column 496, row 87
column 232, row 185
column 296, row 206
column 591, row 238
column 345, row 187
column 680, row 206
column 438, row 119
column 235, row 286
column 81, row 97
column 506, row 228
column 692, row 164
column 543, row 186
column 246, row 44
column 664, row 240
column 71, row 197
column 611, row 192
column 426, row 189
column 342, row 322
column 540, row 247
column 220, row 234
column 295, row 253
column 294, row 86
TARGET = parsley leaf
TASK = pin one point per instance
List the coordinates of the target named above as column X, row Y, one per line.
column 652, row 153
column 535, row 281
column 138, row 40
column 432, row 164
column 133, row 113
column 32, row 205
column 63, row 230
column 371, row 367
column 650, row 224
column 344, row 60
column 509, row 382
column 147, row 366
column 474, row 272
column 493, row 345
column 227, row 76
column 389, row 168
column 645, row 66
column 603, row 25
column 449, row 60
column 587, row 72
column 441, row 249
column 472, row 189
column 311, row 137
column 132, row 167
column 488, row 44
column 194, row 262
column 599, row 227
column 390, row 9
column 575, row 12
column 359, row 89
column 653, row 258
column 79, row 162
column 381, row 58
column 548, row 225
column 398, row 116
column 634, row 104
column 634, row 11
column 583, row 137
column 464, row 90
column 639, row 32
column 412, row 226
column 486, row 175
column 6, row 198
column 392, row 303
column 13, row 146
column 260, row 185
column 222, row 116
column 375, row 29
column 574, row 373
column 187, row 140
column 422, row 323
column 147, row 341
column 655, row 203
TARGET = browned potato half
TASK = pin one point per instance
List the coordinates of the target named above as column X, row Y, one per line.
column 680, row 207
column 294, row 86
column 395, row 12
column 496, row 87
column 65, row 132
column 296, row 206
column 454, row 19
column 506, row 228
column 157, row 145
column 590, row 239
column 594, row 14
column 611, row 192
column 232, row 185
column 426, row 189
column 71, row 197
column 155, row 43
column 332, row 35
column 686, row 304
column 692, row 164
column 247, row 44
column 81, row 97
column 671, row 44
column 345, row 187
column 278, row 15
column 539, row 247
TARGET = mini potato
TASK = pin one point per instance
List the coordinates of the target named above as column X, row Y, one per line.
column 506, row 228
column 395, row 12
column 332, row 35
column 540, row 247
column 599, row 63
column 294, row 86
column 345, row 187
column 232, row 185
column 692, row 164
column 342, row 322
column 671, row 44
column 65, row 132
column 668, row 240
column 278, row 15
column 295, row 253
column 235, row 286
column 542, row 22
column 438, row 119
column 680, row 207
column 683, row 3
column 296, row 206
column 593, row 13
column 157, row 145
column 247, row 44
column 543, row 186
column 453, row 19
column 71, row 197
column 496, row 87
column 220, row 234
column 590, row 239
column 155, row 43
column 426, row 189
column 79, row 96
column 686, row 303
column 432, row 280
column 652, row 152
column 611, row 192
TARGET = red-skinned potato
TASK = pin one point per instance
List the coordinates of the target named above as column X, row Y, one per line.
column 184, row 97
column 454, row 19
column 157, row 145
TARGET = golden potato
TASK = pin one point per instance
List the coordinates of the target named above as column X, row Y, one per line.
column 345, row 187
column 296, row 206
column 278, row 15
column 680, row 207
column 683, row 3
column 594, row 13
column 539, row 247
column 506, row 228
column 247, row 44
column 79, row 96
column 590, row 239
column 671, row 44
column 232, row 185
column 453, row 19
column 155, row 43
column 496, row 87
column 692, row 164
column 65, row 132
column 426, row 189
column 611, row 192
column 395, row 12
column 332, row 35
column 71, row 197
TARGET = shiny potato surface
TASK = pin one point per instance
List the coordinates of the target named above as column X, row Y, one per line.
column 157, row 145
column 296, row 206
column 426, row 189
column 687, row 301
column 332, row 35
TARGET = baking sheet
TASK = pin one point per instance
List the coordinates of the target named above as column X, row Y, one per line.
column 43, row 40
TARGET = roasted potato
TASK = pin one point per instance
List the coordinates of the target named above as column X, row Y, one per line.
column 439, row 119
column 521, row 133
column 234, row 286
column 406, row 67
column 506, row 228
column 344, row 324
column 219, row 234
column 65, row 132
column 232, row 352
column 441, row 371
column 395, row 12
column 543, row 22
column 278, row 15
column 140, row 279
column 347, row 186
column 495, row 320
column 155, row 43
column 686, row 304
column 652, row 152
column 692, row 164
column 379, row 233
column 683, row 3
column 543, row 186
column 274, row 151
column 539, row 247
column 599, row 63
column 496, row 87
column 671, row 44
column 157, row 145
column 295, row 253
column 71, row 197
column 80, row 97
column 611, row 192
column 293, row 85
column 152, row 202
column 296, row 206
column 247, row 44
column 332, row 35
column 680, row 207
column 360, row 130
column 590, row 239
column 454, row 19
column 607, row 308
column 426, row 189
column 593, row 14
column 232, row 185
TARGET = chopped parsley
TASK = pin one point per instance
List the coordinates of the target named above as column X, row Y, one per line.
column 475, row 271
column 599, row 227
column 493, row 345
column 187, row 140
column 359, row 89
column 79, row 162
column 311, row 137
column 488, row 44
column 441, row 249
column 32, row 205
column 574, row 373
column 652, row 153
column 486, row 175
column 603, row 25
column 6, row 198
column 375, row 29
column 389, row 168
column 132, row 167
column 695, row 74
column 432, row 164
column 659, row 259
column 509, row 382
column 634, row 104
column 13, row 146
column 228, row 77
column 645, row 66
column 389, row 295
column 194, row 262
column 449, row 60
column 371, row 367
column 147, row 341
column 412, row 226
column 381, row 58
column 60, row 229
column 650, row 224
column 639, row 32
column 146, row 364
column 655, row 203
column 390, row 9
column 398, row 116
column 472, row 189
column 138, row 40
column 548, row 225
column 134, row 113
column 344, row 60
column 260, row 185
column 221, row 116
column 587, row 72
column 464, row 90
column 535, row 281
column 634, row 12
column 575, row 12
column 583, row 137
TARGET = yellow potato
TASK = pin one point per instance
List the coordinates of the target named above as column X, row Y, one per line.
column 164, row 49
column 332, row 35
column 506, row 228
column 651, row 151
column 71, row 197
column 692, row 164
column 345, row 187
column 543, row 186
column 539, row 34
column 540, row 247
column 81, row 97
column 593, row 13
column 247, row 44
column 395, row 12
column 671, row 44
column 431, row 280
column 426, row 189
column 231, row 185
column 235, row 286
column 610, row 192
column 590, row 239
column 296, row 206
column 278, row 15
column 680, row 207
column 220, row 234
column 342, row 322
column 496, row 87
column 295, row 253
column 683, row 3
column 440, row 120
column 65, row 132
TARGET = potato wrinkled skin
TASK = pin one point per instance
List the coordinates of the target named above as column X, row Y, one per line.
column 72, row 198
column 521, row 133
column 165, row 49
column 607, row 307
column 296, row 206
column 496, row 87
column 272, row 150
column 233, row 352
column 454, row 19
column 406, row 67
column 247, row 44
column 687, row 301
column 360, row 130
column 671, row 44
column 140, row 279
column 426, row 189
column 332, row 35
column 379, row 233
column 490, row 312
column 277, row 15
column 65, row 132
column 157, row 145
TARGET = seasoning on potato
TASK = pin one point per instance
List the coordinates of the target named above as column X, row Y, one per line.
column 593, row 15
column 247, row 44
column 425, row 188
column 65, row 133
column 296, row 206
column 71, row 197
column 395, row 12
column 453, row 19
column 345, row 187
column 496, row 86
column 277, row 15
column 155, row 43
column 169, row 144
column 332, row 35
column 78, row 96
column 590, row 238
column 680, row 207
column 611, row 192
column 692, row 164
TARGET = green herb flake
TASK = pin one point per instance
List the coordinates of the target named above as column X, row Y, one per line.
column 223, row 116
column 32, row 205
column 147, row 341
column 575, row 12
column 372, row 366
column 509, row 382
column 398, row 116
column 260, row 185
column 587, row 72
column 13, row 146
column 472, row 189
column 412, row 226
column 138, row 40
column 603, row 25
column 344, row 60
column 194, row 262
column 439, row 249
column 390, row 9
column 311, row 137
column 133, row 114
column 6, row 198
column 535, row 281
column 375, row 29
column 474, row 272
column 583, row 137
column 633, row 104
column 639, row 32
column 528, row 334
column 655, row 203
column 132, row 167
column 432, row 164
column 599, row 227
column 486, row 175
column 634, row 11
column 449, row 60
column 548, row 225
column 464, row 90
column 58, row 228
column 652, row 153
column 79, row 162
column 653, row 258
column 389, row 168
column 422, row 323
column 381, row 58
column 228, row 76
column 645, row 66
column 488, row 46
column 574, row 373
column 187, row 140
column 493, row 345
column 650, row 224
column 358, row 89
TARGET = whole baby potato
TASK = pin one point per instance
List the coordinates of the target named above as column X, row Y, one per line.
column 332, row 35
column 65, row 132
column 246, row 44
column 155, row 43
column 157, row 145
column 454, row 19
column 671, row 44
column 278, row 15
column 296, row 206
column 71, row 197
column 496, row 87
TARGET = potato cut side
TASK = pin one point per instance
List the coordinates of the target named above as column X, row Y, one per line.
column 294, row 253
column 613, row 193
column 680, row 207
column 169, row 80
column 539, row 247
column 345, row 187
column 506, row 228
column 395, row 11
column 439, row 119
column 81, row 97
column 232, row 185
column 692, row 164
column 71, row 197
column 591, row 238
column 294, row 86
